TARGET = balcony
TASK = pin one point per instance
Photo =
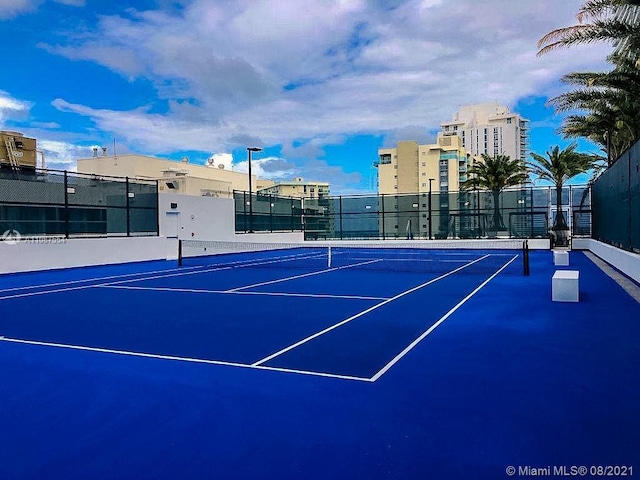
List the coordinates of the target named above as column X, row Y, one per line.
column 462, row 168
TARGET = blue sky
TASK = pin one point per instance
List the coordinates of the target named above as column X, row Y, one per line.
column 319, row 84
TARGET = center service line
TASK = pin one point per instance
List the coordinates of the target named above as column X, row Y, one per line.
column 357, row 315
column 397, row 358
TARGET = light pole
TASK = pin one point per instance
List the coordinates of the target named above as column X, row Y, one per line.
column 430, row 235
column 249, row 150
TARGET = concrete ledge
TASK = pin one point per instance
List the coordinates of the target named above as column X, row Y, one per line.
column 81, row 252
column 627, row 262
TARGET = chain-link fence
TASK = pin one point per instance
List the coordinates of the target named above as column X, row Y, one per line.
column 48, row 202
column 517, row 213
column 616, row 202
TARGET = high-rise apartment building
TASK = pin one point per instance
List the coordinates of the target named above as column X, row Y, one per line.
column 413, row 168
column 489, row 128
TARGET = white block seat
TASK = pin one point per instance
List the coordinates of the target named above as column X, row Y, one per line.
column 561, row 258
column 565, row 286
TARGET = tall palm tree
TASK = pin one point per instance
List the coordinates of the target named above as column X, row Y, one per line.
column 495, row 174
column 558, row 167
column 607, row 103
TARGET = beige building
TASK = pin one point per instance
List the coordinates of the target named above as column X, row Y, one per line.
column 17, row 151
column 490, row 128
column 298, row 188
column 173, row 177
column 413, row 168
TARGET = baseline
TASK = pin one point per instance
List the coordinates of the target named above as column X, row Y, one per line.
column 181, row 359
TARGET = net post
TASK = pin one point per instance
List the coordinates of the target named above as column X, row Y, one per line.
column 525, row 255
column 179, row 252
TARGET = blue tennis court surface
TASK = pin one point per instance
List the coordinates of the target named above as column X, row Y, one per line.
column 453, row 365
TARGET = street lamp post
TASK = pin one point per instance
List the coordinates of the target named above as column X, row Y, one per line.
column 430, row 235
column 249, row 150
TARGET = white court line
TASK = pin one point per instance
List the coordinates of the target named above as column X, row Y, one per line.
column 182, row 359
column 310, row 274
column 182, row 273
column 216, row 268
column 398, row 357
column 69, row 282
column 229, row 292
column 364, row 312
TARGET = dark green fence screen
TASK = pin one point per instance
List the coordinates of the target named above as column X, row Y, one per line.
column 47, row 202
column 616, row 202
column 520, row 213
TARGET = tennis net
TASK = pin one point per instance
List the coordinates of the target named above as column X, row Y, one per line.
column 472, row 256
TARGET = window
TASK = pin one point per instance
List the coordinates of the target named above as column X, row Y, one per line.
column 424, row 184
column 455, row 128
column 385, row 158
column 424, row 164
column 509, row 121
column 424, row 174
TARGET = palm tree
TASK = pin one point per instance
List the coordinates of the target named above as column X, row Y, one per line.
column 495, row 174
column 613, row 21
column 604, row 106
column 611, row 102
column 558, row 167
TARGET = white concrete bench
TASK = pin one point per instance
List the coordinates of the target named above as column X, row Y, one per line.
column 561, row 257
column 565, row 286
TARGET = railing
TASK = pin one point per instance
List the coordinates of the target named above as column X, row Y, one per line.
column 519, row 213
column 48, row 202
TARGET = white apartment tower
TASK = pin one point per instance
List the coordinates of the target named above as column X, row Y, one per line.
column 489, row 128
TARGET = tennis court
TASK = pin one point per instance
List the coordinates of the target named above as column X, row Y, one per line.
column 312, row 362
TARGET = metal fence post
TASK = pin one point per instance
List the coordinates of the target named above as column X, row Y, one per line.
column 341, row 235
column 271, row 213
column 244, row 211
column 384, row 235
column 127, row 203
column 66, row 205
column 158, row 207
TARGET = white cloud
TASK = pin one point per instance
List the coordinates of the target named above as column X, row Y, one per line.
column 13, row 8
column 272, row 168
column 63, row 155
column 72, row 3
column 218, row 159
column 266, row 73
column 11, row 108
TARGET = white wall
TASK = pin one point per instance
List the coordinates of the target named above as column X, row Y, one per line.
column 627, row 262
column 209, row 218
column 80, row 252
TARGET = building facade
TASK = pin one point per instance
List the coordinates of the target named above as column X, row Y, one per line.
column 491, row 129
column 413, row 168
column 297, row 188
column 173, row 177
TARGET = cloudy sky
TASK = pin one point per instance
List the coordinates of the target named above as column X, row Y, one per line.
column 320, row 85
